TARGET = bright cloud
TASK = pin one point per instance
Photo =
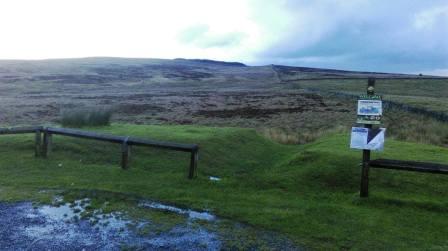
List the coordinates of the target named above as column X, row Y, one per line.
column 377, row 35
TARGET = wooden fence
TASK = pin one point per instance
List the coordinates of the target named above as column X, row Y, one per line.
column 43, row 147
column 414, row 166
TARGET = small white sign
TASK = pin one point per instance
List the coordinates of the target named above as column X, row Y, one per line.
column 370, row 107
column 367, row 139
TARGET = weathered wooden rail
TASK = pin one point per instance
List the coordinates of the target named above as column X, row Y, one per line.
column 414, row 166
column 30, row 129
column 43, row 147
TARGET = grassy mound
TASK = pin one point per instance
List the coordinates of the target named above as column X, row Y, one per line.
column 309, row 192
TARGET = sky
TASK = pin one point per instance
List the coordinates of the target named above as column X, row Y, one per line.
column 407, row 36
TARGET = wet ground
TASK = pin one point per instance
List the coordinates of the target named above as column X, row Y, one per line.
column 77, row 226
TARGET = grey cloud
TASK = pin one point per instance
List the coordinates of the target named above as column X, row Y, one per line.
column 404, row 36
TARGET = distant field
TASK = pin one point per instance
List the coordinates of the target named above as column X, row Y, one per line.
column 427, row 93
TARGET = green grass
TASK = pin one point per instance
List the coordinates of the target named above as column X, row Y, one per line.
column 309, row 192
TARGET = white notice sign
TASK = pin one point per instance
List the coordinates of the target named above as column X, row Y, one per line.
column 367, row 139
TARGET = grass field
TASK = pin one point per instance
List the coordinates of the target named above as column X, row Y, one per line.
column 426, row 93
column 309, row 192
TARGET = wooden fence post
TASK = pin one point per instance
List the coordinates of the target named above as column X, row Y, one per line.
column 125, row 154
column 364, row 190
column 193, row 163
column 38, row 143
column 47, row 144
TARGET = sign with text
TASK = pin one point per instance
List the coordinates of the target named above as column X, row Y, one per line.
column 370, row 109
column 367, row 139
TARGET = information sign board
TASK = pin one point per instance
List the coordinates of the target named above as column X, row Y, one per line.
column 367, row 139
column 370, row 109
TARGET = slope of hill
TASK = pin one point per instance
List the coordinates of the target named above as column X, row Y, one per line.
column 104, row 70
column 204, row 92
column 292, row 73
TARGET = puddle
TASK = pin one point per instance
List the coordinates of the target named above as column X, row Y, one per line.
column 76, row 226
column 67, row 211
column 194, row 215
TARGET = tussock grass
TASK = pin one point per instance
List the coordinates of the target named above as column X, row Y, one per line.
column 81, row 117
column 293, row 137
column 401, row 125
column 410, row 127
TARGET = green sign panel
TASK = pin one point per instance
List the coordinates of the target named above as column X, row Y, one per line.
column 370, row 109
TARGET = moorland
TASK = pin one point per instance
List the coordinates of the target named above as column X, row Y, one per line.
column 276, row 136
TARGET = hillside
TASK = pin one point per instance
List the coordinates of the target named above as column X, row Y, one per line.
column 309, row 192
column 186, row 91
column 103, row 70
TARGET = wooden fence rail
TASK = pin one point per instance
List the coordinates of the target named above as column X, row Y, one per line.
column 414, row 166
column 43, row 149
column 30, row 129
column 18, row 130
